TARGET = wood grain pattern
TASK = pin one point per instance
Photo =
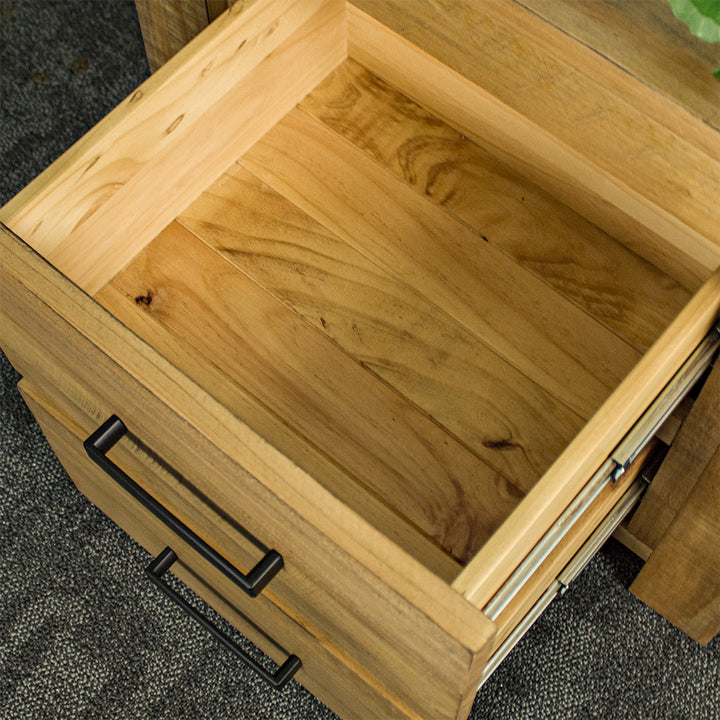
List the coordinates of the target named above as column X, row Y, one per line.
column 358, row 593
column 555, row 490
column 543, row 335
column 574, row 257
column 351, row 571
column 681, row 580
column 317, row 390
column 669, row 59
column 536, row 137
column 689, row 454
column 334, row 478
column 325, row 672
column 155, row 98
column 565, row 88
column 234, row 80
column 504, row 418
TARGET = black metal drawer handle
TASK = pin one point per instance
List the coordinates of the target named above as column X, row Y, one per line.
column 100, row 443
column 159, row 566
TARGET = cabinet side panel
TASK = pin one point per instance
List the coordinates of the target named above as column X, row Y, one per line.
column 689, row 455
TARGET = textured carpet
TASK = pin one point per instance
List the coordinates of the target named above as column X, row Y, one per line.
column 84, row 635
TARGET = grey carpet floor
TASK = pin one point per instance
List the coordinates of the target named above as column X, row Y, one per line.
column 82, row 633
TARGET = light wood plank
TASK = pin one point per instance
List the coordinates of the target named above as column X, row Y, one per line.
column 543, row 335
column 576, row 258
column 648, row 41
column 689, row 454
column 504, row 418
column 350, row 568
column 157, row 94
column 647, row 210
column 681, row 580
column 275, row 431
column 133, row 177
column 388, row 446
column 555, row 490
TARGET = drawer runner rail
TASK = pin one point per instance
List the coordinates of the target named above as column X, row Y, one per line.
column 612, row 469
column 569, row 573
column 665, row 403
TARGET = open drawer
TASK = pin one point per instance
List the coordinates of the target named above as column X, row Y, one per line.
column 349, row 304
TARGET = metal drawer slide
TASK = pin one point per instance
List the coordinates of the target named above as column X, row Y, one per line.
column 611, row 470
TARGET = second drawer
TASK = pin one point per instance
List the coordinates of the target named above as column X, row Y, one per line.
column 277, row 633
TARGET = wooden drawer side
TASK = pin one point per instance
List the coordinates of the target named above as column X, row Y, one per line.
column 592, row 447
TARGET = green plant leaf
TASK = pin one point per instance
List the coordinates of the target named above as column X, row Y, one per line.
column 701, row 16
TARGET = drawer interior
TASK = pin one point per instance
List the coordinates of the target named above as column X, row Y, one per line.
column 401, row 311
column 393, row 307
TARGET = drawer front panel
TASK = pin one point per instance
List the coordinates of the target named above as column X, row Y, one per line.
column 348, row 585
column 277, row 634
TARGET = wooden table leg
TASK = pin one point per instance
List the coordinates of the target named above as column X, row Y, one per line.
column 681, row 580
column 168, row 25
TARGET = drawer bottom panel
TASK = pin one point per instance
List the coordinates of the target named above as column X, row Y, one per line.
column 346, row 690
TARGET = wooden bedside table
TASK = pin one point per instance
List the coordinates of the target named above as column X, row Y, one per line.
column 677, row 67
column 267, row 347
